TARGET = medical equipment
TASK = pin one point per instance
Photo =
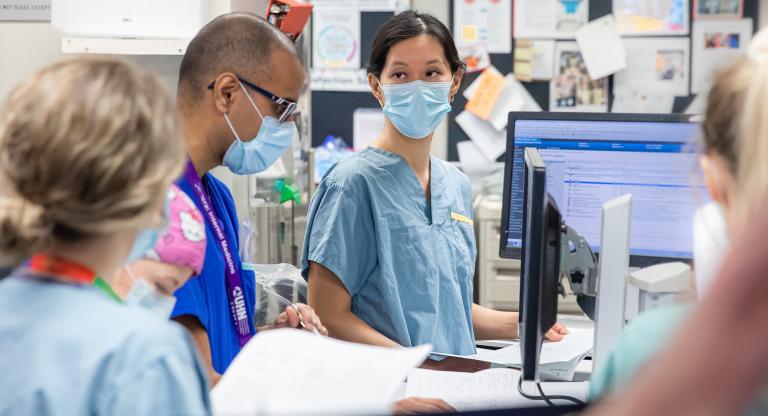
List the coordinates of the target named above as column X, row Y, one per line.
column 290, row 16
column 663, row 284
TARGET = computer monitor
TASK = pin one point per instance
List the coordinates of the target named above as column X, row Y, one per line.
column 594, row 157
column 540, row 263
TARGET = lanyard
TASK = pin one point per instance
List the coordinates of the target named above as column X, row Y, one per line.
column 62, row 268
column 233, row 280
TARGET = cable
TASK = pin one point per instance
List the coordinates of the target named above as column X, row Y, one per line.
column 544, row 397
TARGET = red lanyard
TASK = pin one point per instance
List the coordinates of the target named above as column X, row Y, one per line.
column 62, row 268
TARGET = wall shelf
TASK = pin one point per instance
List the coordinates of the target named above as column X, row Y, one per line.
column 123, row 46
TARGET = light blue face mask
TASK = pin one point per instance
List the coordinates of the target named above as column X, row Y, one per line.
column 143, row 295
column 147, row 238
column 416, row 108
column 258, row 154
column 144, row 242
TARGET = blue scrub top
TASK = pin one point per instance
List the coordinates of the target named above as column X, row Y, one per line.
column 68, row 349
column 205, row 296
column 407, row 265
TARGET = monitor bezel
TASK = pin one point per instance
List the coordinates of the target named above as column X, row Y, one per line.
column 515, row 253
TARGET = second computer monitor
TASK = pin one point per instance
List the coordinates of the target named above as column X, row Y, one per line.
column 592, row 158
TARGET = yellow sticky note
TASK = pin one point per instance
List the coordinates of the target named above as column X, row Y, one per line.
column 524, row 71
column 481, row 104
column 524, row 50
column 469, row 33
column 461, row 218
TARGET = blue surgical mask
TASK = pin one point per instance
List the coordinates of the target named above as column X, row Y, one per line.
column 146, row 239
column 416, row 108
column 257, row 154
column 144, row 242
column 143, row 295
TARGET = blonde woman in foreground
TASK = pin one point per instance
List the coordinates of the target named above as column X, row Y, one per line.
column 88, row 149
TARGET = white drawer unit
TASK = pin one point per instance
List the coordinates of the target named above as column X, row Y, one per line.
column 499, row 279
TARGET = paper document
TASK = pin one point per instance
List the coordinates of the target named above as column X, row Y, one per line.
column 367, row 124
column 475, row 56
column 485, row 390
column 331, row 377
column 474, row 164
column 336, row 38
column 549, row 19
column 718, row 9
column 492, row 143
column 652, row 17
column 486, row 95
column 655, row 64
column 601, row 47
column 513, row 96
column 716, row 44
column 483, row 21
column 637, row 101
column 557, row 360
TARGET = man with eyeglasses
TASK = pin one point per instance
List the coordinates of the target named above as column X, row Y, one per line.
column 238, row 86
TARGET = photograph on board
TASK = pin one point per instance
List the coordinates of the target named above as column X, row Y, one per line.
column 572, row 89
column 718, row 9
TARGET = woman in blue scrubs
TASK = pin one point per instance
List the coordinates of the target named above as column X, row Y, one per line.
column 390, row 247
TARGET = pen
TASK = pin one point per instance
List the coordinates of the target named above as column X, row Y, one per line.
column 292, row 305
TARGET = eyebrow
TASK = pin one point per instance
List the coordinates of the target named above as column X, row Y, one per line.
column 434, row 61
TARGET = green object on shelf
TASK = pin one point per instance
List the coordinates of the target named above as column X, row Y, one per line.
column 287, row 192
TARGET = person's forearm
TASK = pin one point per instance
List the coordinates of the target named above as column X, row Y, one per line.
column 348, row 327
column 200, row 338
column 491, row 324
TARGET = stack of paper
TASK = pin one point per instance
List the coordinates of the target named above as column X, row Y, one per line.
column 485, row 390
column 290, row 372
column 557, row 360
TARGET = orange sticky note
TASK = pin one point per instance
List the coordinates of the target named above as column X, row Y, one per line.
column 481, row 104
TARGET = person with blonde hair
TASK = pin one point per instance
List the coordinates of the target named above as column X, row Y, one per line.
column 88, row 149
column 711, row 358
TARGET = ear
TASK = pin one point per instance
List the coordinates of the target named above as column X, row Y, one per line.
column 224, row 87
column 715, row 177
column 378, row 94
column 457, row 77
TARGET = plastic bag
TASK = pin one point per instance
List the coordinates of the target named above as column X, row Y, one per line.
column 248, row 236
column 333, row 150
column 277, row 287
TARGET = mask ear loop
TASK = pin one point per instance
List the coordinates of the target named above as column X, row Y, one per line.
column 130, row 273
column 253, row 103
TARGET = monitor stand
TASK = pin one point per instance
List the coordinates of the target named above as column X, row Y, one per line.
column 612, row 277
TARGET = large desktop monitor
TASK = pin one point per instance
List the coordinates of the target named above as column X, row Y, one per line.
column 540, row 263
column 592, row 158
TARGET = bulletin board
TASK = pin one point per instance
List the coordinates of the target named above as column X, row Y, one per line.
column 540, row 90
column 332, row 111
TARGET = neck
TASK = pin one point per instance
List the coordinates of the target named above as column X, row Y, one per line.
column 199, row 149
column 102, row 255
column 415, row 152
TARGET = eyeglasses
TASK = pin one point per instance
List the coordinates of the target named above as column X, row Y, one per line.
column 285, row 107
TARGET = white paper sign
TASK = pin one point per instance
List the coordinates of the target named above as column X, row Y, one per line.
column 336, row 38
column 656, row 64
column 716, row 43
column 365, row 5
column 550, row 19
column 601, row 47
column 25, row 10
column 351, row 80
column 652, row 17
column 484, row 21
